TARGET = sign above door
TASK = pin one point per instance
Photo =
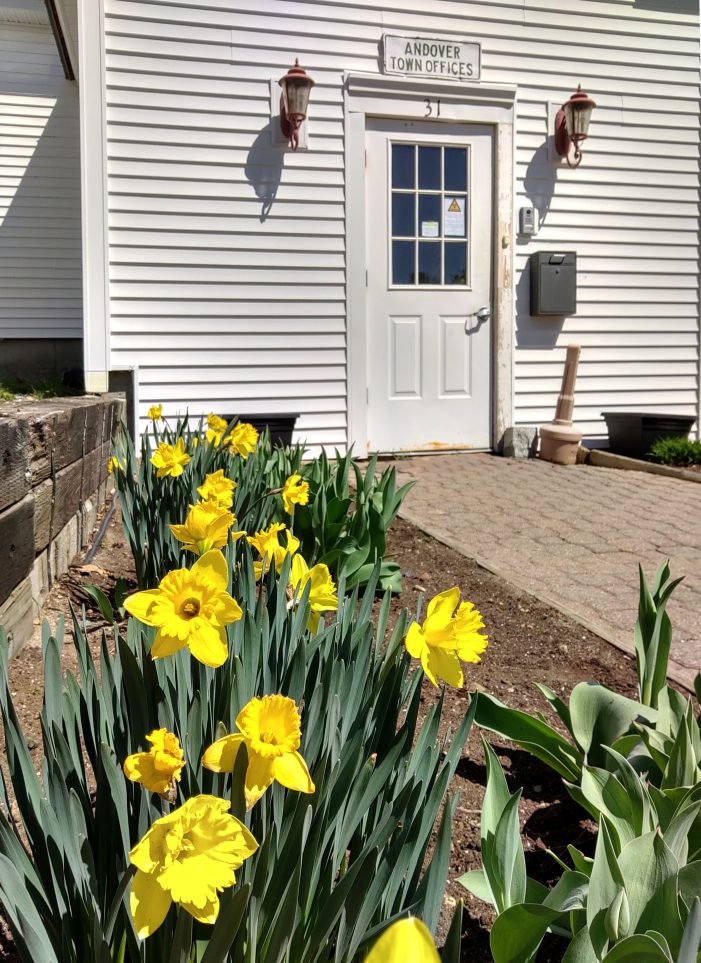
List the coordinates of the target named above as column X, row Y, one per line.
column 437, row 57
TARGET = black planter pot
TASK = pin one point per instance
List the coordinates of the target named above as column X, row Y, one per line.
column 279, row 426
column 632, row 433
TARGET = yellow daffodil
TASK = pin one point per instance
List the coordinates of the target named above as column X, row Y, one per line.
column 169, row 459
column 114, row 464
column 218, row 488
column 155, row 412
column 216, row 427
column 267, row 543
column 187, row 857
column 206, row 527
column 242, row 439
column 406, row 941
column 160, row 766
column 294, row 492
column 446, row 637
column 190, row 607
column 271, row 730
column 322, row 594
column 194, row 440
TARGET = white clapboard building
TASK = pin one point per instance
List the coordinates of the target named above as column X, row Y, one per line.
column 377, row 281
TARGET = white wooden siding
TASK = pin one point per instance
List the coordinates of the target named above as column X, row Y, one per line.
column 223, row 309
column 40, row 255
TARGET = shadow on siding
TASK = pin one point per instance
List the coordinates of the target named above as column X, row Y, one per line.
column 264, row 169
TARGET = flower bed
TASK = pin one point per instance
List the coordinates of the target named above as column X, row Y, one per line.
column 318, row 709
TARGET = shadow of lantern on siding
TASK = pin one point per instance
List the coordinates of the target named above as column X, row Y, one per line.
column 264, row 169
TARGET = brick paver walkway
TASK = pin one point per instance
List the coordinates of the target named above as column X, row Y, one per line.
column 573, row 536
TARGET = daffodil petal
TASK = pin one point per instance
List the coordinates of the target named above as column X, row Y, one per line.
column 227, row 609
column 313, row 622
column 221, row 755
column 414, row 641
column 140, row 605
column 446, row 665
column 205, row 914
column 149, row 903
column 442, row 606
column 259, row 776
column 292, row 773
column 406, row 941
column 165, row 645
column 212, row 566
column 208, row 643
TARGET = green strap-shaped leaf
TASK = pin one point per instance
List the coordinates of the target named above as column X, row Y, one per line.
column 227, row 926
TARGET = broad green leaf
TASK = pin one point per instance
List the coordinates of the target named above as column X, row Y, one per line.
column 599, row 716
column 532, row 734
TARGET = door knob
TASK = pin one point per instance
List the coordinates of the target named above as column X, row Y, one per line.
column 482, row 315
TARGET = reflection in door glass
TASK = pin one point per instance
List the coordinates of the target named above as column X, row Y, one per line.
column 455, row 168
column 455, row 263
column 403, row 166
column 403, row 262
column 429, row 215
column 429, row 262
column 429, row 168
column 403, row 224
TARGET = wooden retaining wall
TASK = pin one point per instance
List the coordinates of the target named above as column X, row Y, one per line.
column 53, row 481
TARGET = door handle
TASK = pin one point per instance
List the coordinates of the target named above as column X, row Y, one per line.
column 482, row 315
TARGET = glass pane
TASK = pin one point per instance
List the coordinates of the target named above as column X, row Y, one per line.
column 455, row 168
column 429, row 262
column 430, row 168
column 403, row 165
column 403, row 215
column 402, row 262
column 456, row 263
column 429, row 215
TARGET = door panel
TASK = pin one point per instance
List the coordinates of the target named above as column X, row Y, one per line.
column 429, row 243
column 405, row 357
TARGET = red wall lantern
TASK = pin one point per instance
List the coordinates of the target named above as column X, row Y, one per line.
column 572, row 125
column 296, row 87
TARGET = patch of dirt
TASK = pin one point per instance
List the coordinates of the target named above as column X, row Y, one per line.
column 529, row 642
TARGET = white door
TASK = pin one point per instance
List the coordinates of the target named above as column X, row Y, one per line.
column 429, row 268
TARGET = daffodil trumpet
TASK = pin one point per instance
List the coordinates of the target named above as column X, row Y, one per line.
column 271, row 731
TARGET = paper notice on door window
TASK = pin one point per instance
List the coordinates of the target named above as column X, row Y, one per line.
column 429, row 229
column 454, row 217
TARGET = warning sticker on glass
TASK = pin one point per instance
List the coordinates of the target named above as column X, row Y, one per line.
column 429, row 229
column 454, row 216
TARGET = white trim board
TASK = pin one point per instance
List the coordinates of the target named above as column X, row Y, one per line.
column 372, row 95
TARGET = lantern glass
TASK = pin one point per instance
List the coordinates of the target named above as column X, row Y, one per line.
column 577, row 117
column 296, row 95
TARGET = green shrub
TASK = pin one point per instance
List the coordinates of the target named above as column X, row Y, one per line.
column 333, row 868
column 675, row 451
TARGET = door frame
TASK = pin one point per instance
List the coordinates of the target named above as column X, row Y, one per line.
column 396, row 98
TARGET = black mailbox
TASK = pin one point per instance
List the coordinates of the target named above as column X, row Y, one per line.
column 553, row 282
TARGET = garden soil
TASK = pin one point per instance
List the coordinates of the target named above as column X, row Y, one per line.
column 528, row 643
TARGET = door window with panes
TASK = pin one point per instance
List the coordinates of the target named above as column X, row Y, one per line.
column 429, row 187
